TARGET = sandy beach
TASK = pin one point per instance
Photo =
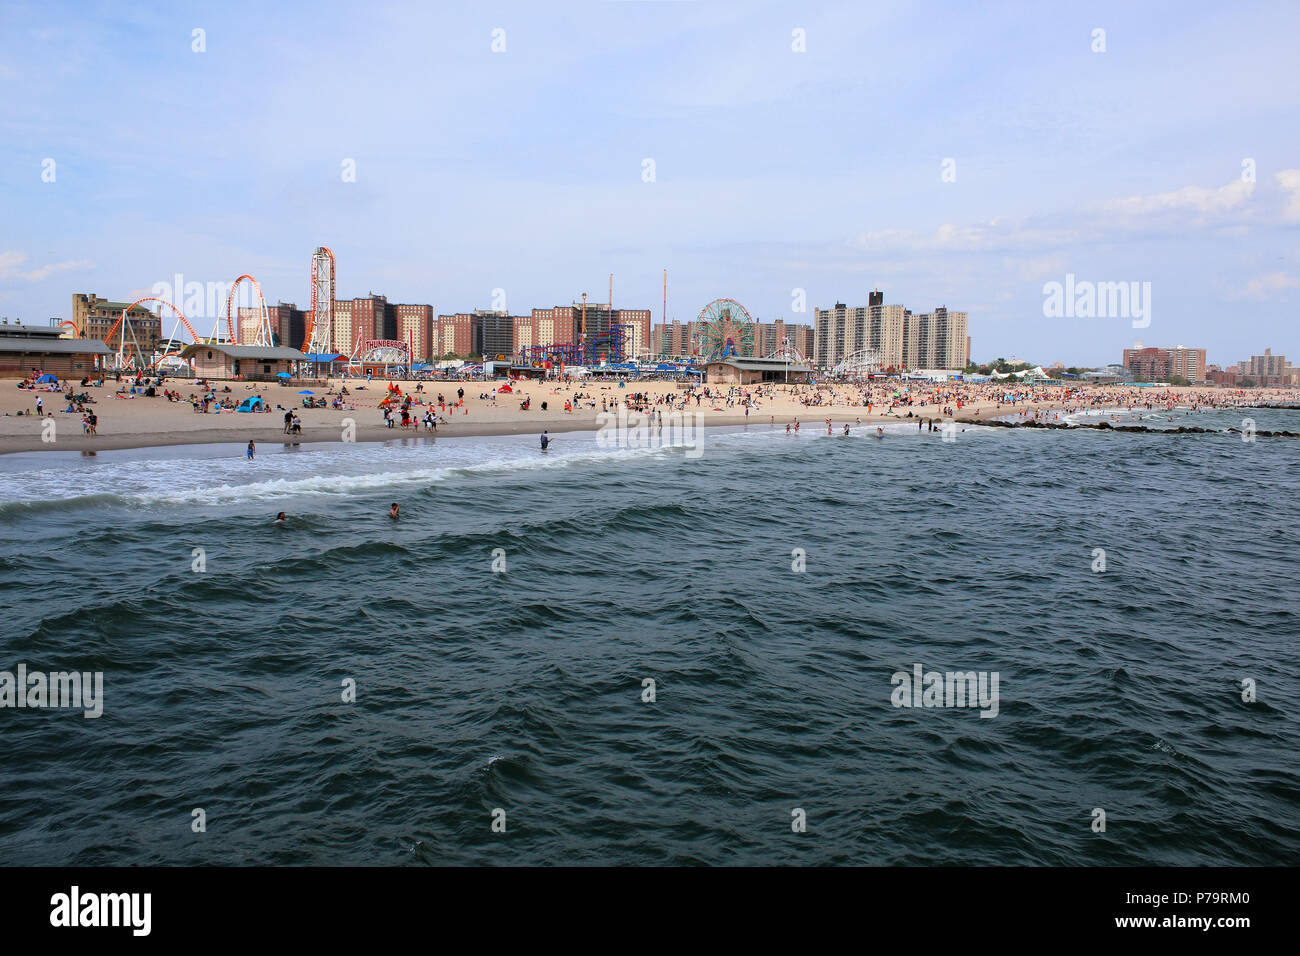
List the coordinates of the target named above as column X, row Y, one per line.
column 133, row 421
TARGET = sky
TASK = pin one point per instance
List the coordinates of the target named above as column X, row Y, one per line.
column 959, row 154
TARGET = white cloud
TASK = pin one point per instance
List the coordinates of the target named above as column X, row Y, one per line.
column 947, row 237
column 1289, row 180
column 1267, row 286
column 1110, row 220
column 1199, row 199
column 1037, row 268
column 11, row 260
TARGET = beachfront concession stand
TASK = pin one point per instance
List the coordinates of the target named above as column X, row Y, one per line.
column 27, row 347
column 749, row 371
column 253, row 363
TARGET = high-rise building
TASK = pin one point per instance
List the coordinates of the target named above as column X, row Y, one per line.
column 494, row 334
column 1189, row 363
column 415, row 325
column 770, row 337
column 672, row 340
column 342, row 340
column 949, row 344
column 248, row 323
column 454, row 335
column 899, row 337
column 363, row 320
column 1266, row 369
column 830, row 341
column 1147, row 364
column 1153, row 364
column 288, row 324
column 885, row 331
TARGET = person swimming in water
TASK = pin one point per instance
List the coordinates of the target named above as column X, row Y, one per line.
column 393, row 511
column 880, row 432
column 280, row 519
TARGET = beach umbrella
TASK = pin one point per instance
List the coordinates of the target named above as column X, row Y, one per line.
column 306, row 391
column 47, row 378
column 283, row 375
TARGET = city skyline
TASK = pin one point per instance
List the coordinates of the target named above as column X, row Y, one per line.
column 1033, row 157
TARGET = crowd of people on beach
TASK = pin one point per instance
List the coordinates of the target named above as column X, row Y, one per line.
column 406, row 406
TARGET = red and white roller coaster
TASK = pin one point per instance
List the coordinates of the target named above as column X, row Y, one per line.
column 264, row 335
column 131, row 355
column 318, row 338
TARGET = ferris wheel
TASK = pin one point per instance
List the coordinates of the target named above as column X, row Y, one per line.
column 724, row 328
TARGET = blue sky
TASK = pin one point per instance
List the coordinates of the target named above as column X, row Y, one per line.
column 775, row 170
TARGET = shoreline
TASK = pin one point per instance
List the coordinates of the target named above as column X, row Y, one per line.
column 140, row 422
column 328, row 435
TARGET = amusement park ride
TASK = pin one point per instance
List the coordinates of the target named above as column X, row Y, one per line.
column 129, row 354
column 320, row 322
column 723, row 328
column 859, row 364
column 609, row 345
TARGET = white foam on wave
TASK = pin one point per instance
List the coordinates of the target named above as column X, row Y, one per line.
column 336, row 470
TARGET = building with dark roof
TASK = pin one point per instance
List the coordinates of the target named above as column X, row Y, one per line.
column 27, row 347
column 752, row 371
column 248, row 362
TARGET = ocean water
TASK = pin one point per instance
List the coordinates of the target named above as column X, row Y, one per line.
column 523, row 690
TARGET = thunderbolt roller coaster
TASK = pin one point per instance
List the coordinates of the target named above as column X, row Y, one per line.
column 857, row 364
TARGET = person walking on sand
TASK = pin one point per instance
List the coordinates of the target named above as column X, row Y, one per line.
column 40, row 406
column 252, row 450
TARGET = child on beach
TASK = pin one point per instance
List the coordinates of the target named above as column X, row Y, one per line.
column 252, row 449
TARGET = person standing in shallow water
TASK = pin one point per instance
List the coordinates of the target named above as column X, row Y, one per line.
column 252, row 450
